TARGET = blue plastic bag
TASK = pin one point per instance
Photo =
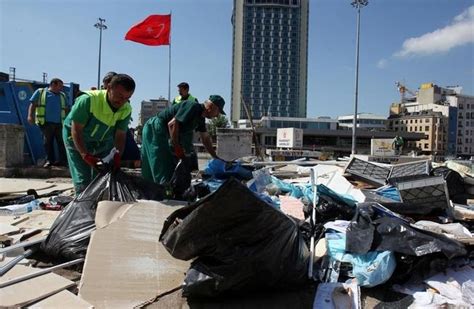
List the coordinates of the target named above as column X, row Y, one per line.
column 370, row 269
column 223, row 170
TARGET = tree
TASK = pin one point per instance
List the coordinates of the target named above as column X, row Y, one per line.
column 218, row 122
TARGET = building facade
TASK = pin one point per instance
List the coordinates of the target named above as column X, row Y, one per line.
column 455, row 120
column 150, row 108
column 433, row 124
column 320, row 123
column 460, row 110
column 269, row 60
column 365, row 121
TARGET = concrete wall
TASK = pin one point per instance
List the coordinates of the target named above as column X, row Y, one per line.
column 11, row 145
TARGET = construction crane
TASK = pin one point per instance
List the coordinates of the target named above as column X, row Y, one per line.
column 403, row 89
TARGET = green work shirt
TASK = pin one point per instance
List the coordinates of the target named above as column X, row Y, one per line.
column 100, row 122
column 188, row 114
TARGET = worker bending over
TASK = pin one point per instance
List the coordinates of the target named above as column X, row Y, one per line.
column 162, row 136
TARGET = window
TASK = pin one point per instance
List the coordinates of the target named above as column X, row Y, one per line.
column 416, row 120
column 426, row 146
column 427, row 128
column 427, row 120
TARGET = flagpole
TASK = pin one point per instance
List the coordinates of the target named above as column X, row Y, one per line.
column 169, row 63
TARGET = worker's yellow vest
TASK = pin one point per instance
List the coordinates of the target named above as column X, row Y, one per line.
column 41, row 108
column 102, row 123
column 178, row 99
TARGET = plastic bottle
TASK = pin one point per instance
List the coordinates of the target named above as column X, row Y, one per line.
column 19, row 209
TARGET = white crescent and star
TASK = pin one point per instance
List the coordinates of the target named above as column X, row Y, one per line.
column 156, row 31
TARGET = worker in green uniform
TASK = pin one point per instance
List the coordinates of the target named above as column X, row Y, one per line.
column 184, row 95
column 397, row 144
column 97, row 123
column 162, row 136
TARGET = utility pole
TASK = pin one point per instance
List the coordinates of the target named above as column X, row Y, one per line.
column 45, row 77
column 101, row 26
column 357, row 4
column 12, row 73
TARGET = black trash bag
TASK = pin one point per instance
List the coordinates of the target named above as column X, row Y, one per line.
column 69, row 235
column 454, row 181
column 372, row 231
column 416, row 269
column 195, row 191
column 143, row 189
column 330, row 209
column 181, row 179
column 241, row 244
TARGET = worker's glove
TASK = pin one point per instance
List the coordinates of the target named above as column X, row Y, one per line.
column 117, row 159
column 91, row 160
column 179, row 152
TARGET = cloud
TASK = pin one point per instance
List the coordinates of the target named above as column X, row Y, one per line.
column 382, row 63
column 458, row 33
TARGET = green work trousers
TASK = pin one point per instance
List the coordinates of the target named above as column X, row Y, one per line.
column 82, row 173
column 158, row 161
column 186, row 140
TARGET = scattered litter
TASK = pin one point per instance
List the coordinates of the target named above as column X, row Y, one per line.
column 337, row 295
column 371, row 232
column 248, row 230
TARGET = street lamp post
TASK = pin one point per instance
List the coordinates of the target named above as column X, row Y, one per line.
column 357, row 4
column 101, row 26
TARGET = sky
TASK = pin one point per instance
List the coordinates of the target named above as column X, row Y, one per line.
column 411, row 41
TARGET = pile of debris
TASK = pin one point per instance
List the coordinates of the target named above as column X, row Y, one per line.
column 343, row 234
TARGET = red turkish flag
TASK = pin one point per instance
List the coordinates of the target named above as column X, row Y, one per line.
column 154, row 30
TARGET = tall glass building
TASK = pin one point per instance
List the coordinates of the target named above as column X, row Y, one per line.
column 270, row 52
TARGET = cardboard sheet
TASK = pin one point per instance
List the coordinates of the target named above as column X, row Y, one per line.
column 63, row 299
column 125, row 263
column 31, row 290
column 13, row 188
column 17, row 185
column 39, row 219
column 7, row 228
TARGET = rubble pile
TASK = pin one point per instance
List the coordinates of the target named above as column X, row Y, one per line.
column 349, row 234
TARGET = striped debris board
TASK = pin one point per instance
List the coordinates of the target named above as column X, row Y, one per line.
column 426, row 193
column 367, row 171
column 412, row 170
